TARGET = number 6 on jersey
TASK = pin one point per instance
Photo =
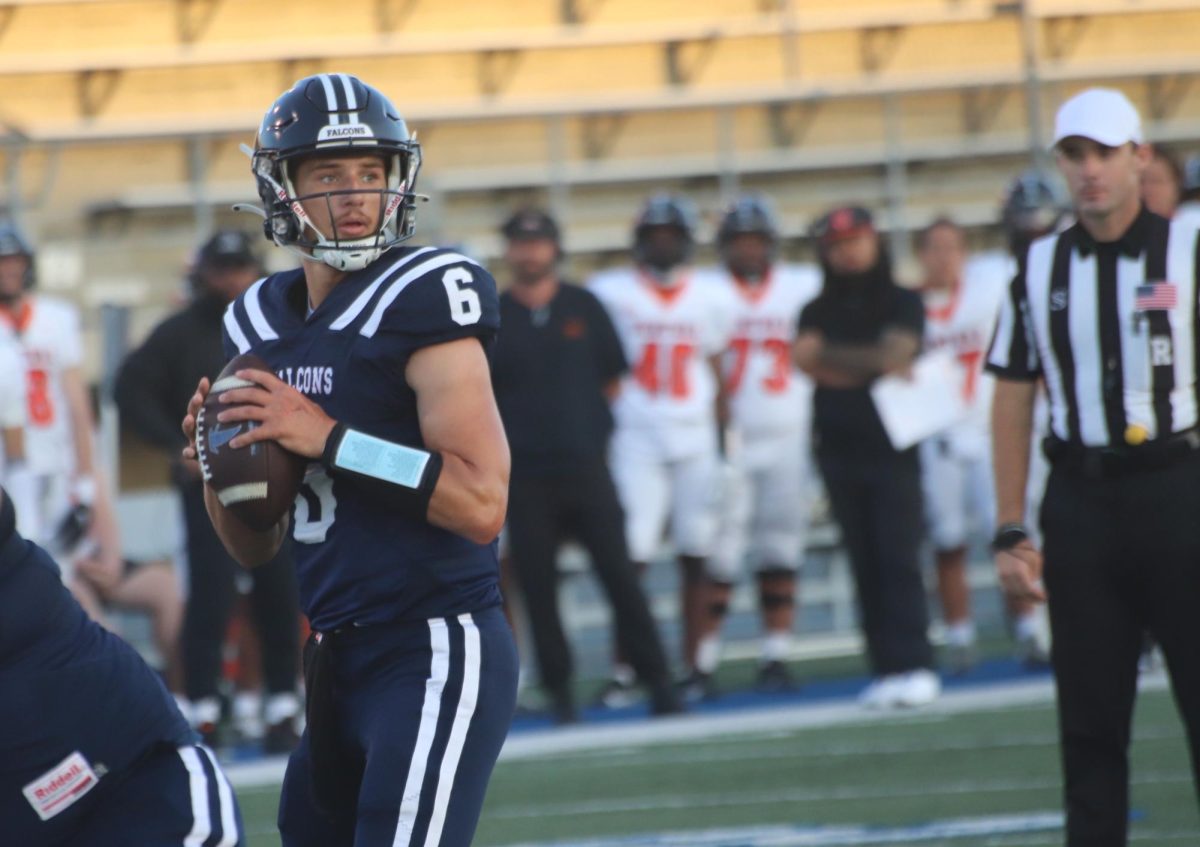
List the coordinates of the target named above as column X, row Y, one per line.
column 464, row 302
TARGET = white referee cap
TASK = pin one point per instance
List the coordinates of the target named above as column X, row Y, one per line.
column 1104, row 115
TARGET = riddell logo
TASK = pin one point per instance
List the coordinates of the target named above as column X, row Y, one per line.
column 58, row 782
column 342, row 131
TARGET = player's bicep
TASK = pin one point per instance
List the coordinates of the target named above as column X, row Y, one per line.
column 455, row 404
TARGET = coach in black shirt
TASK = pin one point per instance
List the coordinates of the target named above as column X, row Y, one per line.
column 1106, row 312
column 863, row 326
column 555, row 366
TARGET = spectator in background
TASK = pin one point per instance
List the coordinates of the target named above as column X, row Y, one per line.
column 1189, row 205
column 1162, row 182
column 153, row 388
column 664, row 455
column 859, row 328
column 555, row 368
column 962, row 300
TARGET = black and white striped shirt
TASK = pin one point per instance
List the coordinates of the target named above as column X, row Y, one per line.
column 1113, row 328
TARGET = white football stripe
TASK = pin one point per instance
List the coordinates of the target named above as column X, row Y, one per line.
column 351, row 100
column 467, row 701
column 393, row 291
column 228, row 383
column 254, row 309
column 235, row 332
column 242, row 492
column 229, row 827
column 331, row 99
column 439, row 672
column 360, row 302
column 198, row 785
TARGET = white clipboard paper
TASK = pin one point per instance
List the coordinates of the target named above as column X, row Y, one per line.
column 931, row 401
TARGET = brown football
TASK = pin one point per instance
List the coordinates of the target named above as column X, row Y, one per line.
column 257, row 483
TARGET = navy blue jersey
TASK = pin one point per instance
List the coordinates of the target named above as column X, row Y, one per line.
column 356, row 560
column 77, row 705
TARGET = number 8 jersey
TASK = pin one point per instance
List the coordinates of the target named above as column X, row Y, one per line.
column 668, row 334
column 356, row 561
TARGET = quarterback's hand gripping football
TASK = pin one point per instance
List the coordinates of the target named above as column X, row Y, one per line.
column 284, row 415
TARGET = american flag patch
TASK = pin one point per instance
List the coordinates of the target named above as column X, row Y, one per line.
column 1155, row 295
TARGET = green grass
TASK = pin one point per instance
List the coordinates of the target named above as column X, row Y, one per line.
column 908, row 770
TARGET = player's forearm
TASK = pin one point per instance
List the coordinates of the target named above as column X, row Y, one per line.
column 853, row 361
column 469, row 500
column 247, row 546
column 1012, row 430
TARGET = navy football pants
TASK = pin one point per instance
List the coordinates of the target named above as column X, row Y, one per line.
column 421, row 711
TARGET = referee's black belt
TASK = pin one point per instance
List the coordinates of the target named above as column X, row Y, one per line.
column 1121, row 460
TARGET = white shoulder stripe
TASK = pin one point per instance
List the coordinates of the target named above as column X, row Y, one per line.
column 235, row 332
column 467, row 702
column 393, row 291
column 439, row 673
column 360, row 302
column 254, row 309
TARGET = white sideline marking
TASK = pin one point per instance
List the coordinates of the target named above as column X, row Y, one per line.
column 684, row 728
column 829, row 836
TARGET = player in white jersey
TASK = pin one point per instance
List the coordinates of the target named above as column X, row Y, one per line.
column 58, row 429
column 664, row 447
column 765, row 519
column 962, row 300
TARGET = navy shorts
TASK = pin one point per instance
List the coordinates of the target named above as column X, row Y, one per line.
column 173, row 796
column 420, row 712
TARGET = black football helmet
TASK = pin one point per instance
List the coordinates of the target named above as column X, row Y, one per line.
column 334, row 113
column 748, row 214
column 14, row 243
column 1035, row 205
column 664, row 210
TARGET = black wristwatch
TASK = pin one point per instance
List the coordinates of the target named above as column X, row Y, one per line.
column 1008, row 536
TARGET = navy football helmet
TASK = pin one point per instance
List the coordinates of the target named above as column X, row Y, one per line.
column 1035, row 205
column 334, row 113
column 664, row 210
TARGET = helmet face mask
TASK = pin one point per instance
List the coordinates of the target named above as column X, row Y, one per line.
column 334, row 115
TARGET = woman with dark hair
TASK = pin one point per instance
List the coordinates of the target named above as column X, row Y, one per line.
column 1162, row 182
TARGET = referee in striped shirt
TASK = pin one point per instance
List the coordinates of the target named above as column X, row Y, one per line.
column 1106, row 313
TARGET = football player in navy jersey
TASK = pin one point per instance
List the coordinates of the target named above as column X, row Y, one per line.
column 93, row 750
column 381, row 379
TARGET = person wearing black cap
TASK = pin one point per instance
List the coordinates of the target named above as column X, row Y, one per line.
column 859, row 328
column 1105, row 312
column 152, row 391
column 555, row 369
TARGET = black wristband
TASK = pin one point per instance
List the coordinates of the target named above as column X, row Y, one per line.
column 1008, row 536
column 397, row 475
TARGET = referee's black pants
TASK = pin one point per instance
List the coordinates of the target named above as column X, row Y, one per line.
column 212, row 590
column 876, row 499
column 544, row 510
column 1122, row 555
